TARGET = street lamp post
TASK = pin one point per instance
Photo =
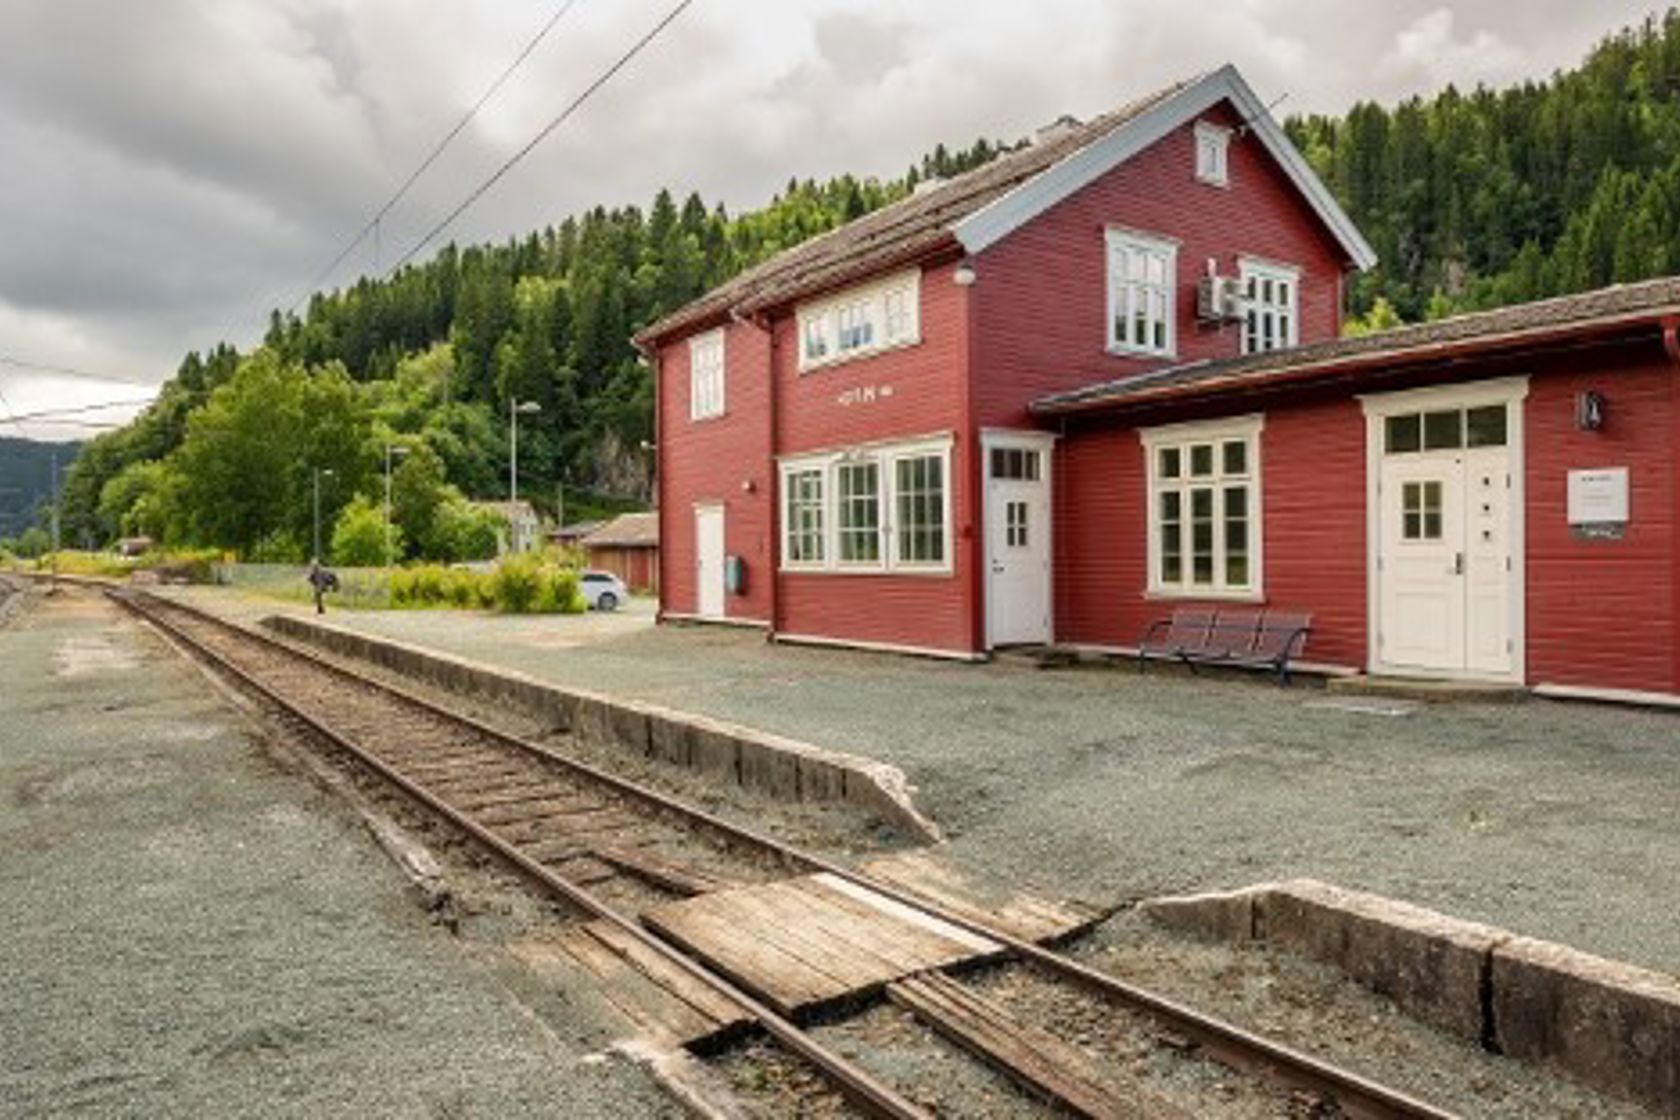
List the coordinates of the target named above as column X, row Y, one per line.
column 318, row 473
column 515, row 408
column 391, row 451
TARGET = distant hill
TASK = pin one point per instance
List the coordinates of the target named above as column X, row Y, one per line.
column 26, row 479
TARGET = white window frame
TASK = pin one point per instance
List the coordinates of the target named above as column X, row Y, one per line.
column 1255, row 269
column 1213, row 142
column 870, row 303
column 1116, row 242
column 885, row 457
column 1216, row 433
column 825, row 503
column 706, row 385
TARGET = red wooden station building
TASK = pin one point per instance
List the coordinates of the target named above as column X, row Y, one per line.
column 1052, row 399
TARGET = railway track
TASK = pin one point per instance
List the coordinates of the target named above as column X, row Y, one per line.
column 612, row 849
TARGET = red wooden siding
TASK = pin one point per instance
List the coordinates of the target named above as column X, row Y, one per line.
column 830, row 407
column 1602, row 613
column 1312, row 464
column 1042, row 290
column 713, row 461
column 637, row 567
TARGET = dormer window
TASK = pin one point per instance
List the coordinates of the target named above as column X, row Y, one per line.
column 1213, row 145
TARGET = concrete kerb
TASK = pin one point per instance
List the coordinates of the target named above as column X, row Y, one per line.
column 784, row 768
column 1609, row 1025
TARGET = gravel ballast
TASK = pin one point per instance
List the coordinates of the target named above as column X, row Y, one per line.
column 1553, row 820
column 190, row 929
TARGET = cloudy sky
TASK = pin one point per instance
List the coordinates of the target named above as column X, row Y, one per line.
column 169, row 170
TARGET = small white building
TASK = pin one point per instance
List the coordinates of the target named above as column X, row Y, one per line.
column 522, row 531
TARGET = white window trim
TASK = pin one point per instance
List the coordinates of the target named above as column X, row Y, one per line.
column 826, row 311
column 695, row 344
column 1208, row 132
column 1149, row 242
column 885, row 455
column 1275, row 270
column 1214, row 432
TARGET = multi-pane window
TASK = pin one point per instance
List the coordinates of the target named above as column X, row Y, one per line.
column 1204, row 508
column 1420, row 511
column 1142, row 275
column 860, row 321
column 884, row 509
column 705, row 369
column 1447, row 429
column 1271, row 297
column 1015, row 533
column 1015, row 464
column 803, row 517
column 920, row 487
column 1213, row 145
column 859, row 521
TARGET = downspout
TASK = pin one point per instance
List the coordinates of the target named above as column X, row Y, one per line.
column 1671, row 345
column 652, row 356
column 773, row 474
column 968, row 441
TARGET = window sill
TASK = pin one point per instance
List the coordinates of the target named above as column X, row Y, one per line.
column 844, row 570
column 855, row 356
column 1209, row 594
column 1115, row 350
column 708, row 418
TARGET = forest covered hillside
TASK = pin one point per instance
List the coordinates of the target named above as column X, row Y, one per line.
column 26, row 473
column 1472, row 199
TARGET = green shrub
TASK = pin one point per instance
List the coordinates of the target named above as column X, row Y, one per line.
column 359, row 539
column 517, row 582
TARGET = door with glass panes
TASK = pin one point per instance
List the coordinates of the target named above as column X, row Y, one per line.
column 1017, row 542
column 1445, row 552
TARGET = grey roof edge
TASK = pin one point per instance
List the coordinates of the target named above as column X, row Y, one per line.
column 1080, row 168
column 1627, row 305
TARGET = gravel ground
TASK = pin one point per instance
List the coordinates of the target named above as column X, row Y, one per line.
column 1551, row 819
column 189, row 929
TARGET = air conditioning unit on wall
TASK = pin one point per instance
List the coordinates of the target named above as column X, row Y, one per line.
column 1219, row 299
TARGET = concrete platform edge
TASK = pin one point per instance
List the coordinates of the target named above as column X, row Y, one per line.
column 1613, row 1026
column 763, row 762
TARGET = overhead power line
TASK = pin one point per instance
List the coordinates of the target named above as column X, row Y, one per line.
column 543, row 134
column 372, row 226
column 54, row 413
column 65, row 371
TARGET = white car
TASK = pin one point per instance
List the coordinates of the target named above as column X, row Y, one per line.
column 603, row 591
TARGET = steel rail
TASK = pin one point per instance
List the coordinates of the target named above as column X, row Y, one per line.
column 1235, row 1046
column 855, row 1083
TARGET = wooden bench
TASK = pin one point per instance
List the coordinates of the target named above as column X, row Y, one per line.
column 1204, row 636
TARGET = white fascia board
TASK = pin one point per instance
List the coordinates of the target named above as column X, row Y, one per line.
column 992, row 223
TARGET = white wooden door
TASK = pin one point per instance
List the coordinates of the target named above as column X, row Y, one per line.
column 1018, row 544
column 1446, row 568
column 708, row 561
column 1422, row 563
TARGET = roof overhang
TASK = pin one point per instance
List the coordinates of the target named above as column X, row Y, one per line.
column 1027, row 201
column 1364, row 363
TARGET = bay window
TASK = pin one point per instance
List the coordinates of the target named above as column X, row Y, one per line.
column 1204, row 508
column 874, row 509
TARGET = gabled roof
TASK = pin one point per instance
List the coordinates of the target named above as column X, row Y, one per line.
column 971, row 211
column 1520, row 325
column 627, row 530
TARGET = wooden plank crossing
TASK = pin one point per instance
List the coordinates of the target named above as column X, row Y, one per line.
column 819, row 939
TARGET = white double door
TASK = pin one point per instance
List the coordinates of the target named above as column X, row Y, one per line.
column 1018, row 540
column 1445, row 567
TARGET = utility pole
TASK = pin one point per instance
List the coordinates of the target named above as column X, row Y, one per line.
column 54, row 516
column 391, row 450
column 318, row 473
column 515, row 408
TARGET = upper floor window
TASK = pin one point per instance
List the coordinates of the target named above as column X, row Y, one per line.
column 705, row 375
column 861, row 321
column 1204, row 508
column 1142, row 275
column 1272, row 294
column 1213, row 148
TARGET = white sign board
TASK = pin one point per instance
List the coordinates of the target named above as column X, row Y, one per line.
column 1598, row 497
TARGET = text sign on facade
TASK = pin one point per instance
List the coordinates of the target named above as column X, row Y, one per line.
column 1598, row 502
column 865, row 394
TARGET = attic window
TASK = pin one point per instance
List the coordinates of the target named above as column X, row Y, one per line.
column 1212, row 154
